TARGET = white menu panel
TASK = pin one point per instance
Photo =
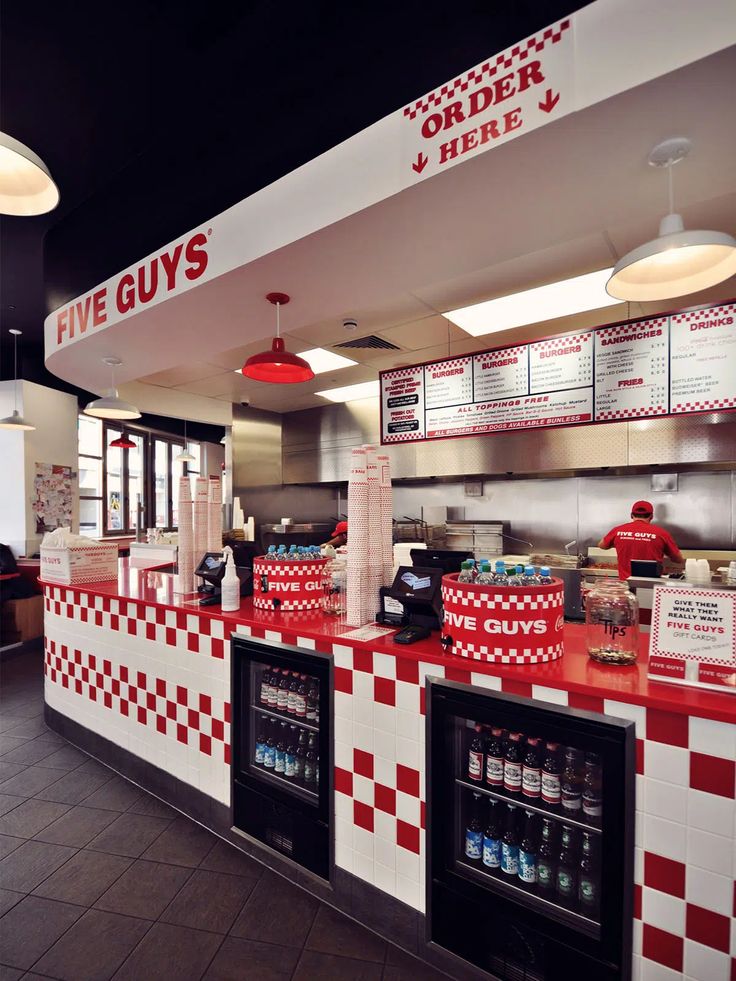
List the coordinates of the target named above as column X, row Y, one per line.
column 529, row 412
column 703, row 360
column 502, row 373
column 448, row 382
column 561, row 363
column 402, row 404
column 632, row 370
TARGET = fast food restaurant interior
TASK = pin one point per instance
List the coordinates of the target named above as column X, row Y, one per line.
column 368, row 499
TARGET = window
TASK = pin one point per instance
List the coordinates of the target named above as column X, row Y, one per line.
column 112, row 480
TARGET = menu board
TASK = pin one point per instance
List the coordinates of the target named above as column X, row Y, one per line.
column 675, row 364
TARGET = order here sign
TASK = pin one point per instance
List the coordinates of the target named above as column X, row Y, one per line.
column 512, row 93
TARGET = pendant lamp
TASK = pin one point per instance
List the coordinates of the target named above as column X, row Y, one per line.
column 110, row 406
column 677, row 262
column 185, row 456
column 278, row 365
column 26, row 186
column 123, row 443
column 16, row 420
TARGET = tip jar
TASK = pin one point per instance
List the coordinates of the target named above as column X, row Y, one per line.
column 612, row 623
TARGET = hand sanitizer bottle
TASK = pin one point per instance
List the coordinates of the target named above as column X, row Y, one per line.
column 230, row 585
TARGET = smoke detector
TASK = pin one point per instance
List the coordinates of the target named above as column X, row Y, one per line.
column 350, row 324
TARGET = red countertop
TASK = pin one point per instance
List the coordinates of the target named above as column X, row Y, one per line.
column 574, row 672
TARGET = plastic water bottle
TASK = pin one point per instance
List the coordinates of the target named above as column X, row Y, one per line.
column 499, row 576
column 545, row 578
column 466, row 572
column 485, row 576
column 281, row 553
column 530, row 577
column 271, row 553
column 291, row 557
column 515, row 578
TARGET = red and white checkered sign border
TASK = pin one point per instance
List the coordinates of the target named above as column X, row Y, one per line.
column 555, row 342
column 709, row 313
column 525, row 655
column 504, row 60
column 501, row 352
column 656, row 651
column 652, row 410
column 460, row 361
column 399, row 437
column 705, row 404
column 632, row 327
column 403, row 372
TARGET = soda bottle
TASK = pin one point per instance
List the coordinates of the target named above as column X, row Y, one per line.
column 551, row 782
column 282, row 698
column 494, row 759
column 265, row 685
column 510, row 844
column 528, row 852
column 546, row 858
column 312, row 700
column 300, row 756
column 474, row 832
column 291, row 698
column 269, row 753
column 492, row 837
column 475, row 756
column 301, row 698
column 572, row 783
column 589, row 883
column 273, row 691
column 545, row 577
column 466, row 572
column 261, row 742
column 280, row 760
column 310, row 762
column 567, row 868
column 531, row 771
column 290, row 758
column 593, row 789
column 512, row 765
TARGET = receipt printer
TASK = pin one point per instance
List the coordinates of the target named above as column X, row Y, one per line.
column 414, row 597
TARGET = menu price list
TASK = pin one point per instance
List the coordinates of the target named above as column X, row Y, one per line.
column 632, row 370
column 528, row 412
column 402, row 392
column 702, row 359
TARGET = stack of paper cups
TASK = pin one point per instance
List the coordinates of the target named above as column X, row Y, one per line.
column 387, row 515
column 358, row 544
column 214, row 515
column 199, row 518
column 374, row 578
column 185, row 579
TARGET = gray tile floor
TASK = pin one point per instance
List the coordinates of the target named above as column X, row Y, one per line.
column 99, row 880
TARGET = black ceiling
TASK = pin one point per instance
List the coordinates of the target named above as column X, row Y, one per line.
column 152, row 117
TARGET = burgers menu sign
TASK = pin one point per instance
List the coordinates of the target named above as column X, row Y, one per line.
column 681, row 363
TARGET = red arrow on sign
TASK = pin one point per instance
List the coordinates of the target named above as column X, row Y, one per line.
column 550, row 101
column 422, row 162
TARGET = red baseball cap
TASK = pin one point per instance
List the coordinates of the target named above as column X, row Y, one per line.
column 341, row 528
column 642, row 509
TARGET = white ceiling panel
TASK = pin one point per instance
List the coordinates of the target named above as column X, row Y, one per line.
column 182, row 374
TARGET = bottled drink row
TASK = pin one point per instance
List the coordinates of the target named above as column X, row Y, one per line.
column 482, row 575
column 296, row 553
column 290, row 693
column 558, row 864
column 565, row 780
column 288, row 751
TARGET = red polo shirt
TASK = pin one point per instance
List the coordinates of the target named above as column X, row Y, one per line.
column 640, row 540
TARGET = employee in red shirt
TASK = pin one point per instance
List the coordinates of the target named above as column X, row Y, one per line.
column 640, row 539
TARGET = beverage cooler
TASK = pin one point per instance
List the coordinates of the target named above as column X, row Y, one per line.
column 282, row 750
column 530, row 835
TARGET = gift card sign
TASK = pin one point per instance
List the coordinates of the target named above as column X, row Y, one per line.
column 693, row 637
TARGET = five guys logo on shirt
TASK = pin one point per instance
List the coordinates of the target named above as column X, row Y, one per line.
column 161, row 274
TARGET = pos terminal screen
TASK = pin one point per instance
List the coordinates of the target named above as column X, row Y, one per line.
column 417, row 583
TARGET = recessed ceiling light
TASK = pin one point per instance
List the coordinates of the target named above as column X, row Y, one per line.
column 320, row 360
column 548, row 302
column 349, row 393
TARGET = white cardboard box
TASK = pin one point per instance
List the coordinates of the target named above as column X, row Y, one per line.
column 79, row 564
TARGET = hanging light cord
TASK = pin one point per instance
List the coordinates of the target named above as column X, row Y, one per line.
column 15, row 373
column 671, row 187
column 278, row 319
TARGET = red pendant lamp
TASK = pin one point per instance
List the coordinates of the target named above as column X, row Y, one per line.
column 123, row 443
column 278, row 365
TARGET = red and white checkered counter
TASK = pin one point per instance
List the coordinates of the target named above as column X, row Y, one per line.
column 134, row 663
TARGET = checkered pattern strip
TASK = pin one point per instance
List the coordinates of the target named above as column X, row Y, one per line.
column 172, row 710
column 557, row 342
column 402, row 437
column 401, row 372
column 651, row 410
column 450, row 362
column 705, row 404
column 267, row 603
column 526, row 655
column 500, row 352
column 631, row 328
column 705, row 315
column 488, row 69
column 703, row 658
column 503, row 601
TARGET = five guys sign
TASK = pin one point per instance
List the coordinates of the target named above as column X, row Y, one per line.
column 512, row 93
column 153, row 279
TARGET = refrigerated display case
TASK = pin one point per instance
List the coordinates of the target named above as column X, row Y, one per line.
column 530, row 835
column 282, row 750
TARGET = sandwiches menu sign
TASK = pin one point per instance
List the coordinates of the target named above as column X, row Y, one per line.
column 669, row 365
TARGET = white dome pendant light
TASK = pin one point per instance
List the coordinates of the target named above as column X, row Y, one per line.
column 16, row 421
column 678, row 262
column 185, row 456
column 111, row 406
column 26, row 186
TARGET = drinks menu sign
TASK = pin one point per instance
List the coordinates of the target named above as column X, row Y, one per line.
column 639, row 369
column 693, row 637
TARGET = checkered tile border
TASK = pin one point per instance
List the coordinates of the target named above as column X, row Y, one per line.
column 686, row 775
column 488, row 69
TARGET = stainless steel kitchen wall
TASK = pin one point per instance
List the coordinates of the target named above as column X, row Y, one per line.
column 256, row 448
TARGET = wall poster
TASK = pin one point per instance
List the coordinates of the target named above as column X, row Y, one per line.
column 640, row 369
column 52, row 497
